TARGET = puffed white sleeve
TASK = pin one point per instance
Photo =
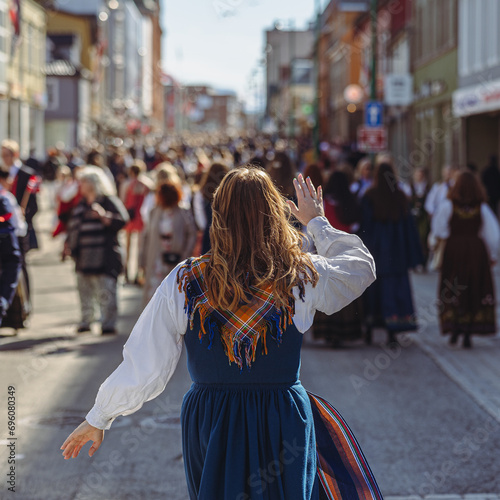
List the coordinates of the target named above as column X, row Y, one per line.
column 440, row 223
column 430, row 200
column 150, row 356
column 345, row 266
column 490, row 231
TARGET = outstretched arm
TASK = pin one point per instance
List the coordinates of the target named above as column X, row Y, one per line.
column 150, row 357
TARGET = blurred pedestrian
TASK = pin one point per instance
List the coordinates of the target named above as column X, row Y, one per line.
column 241, row 312
column 282, row 173
column 134, row 192
column 491, row 181
column 344, row 213
column 389, row 232
column 96, row 159
column 466, row 292
column 163, row 172
column 24, row 185
column 67, row 197
column 169, row 237
column 50, row 170
column 93, row 244
column 419, row 190
column 439, row 190
column 363, row 176
column 12, row 225
column 202, row 201
column 118, row 167
column 33, row 162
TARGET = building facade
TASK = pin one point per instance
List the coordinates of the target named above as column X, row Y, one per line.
column 71, row 51
column 476, row 102
column 287, row 53
column 122, row 65
column 339, row 67
column 436, row 132
column 22, row 81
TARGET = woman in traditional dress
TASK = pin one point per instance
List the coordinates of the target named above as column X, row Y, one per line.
column 389, row 232
column 241, row 310
column 343, row 212
column 466, row 289
column 169, row 237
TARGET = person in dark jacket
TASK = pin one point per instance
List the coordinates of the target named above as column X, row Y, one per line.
column 24, row 186
column 93, row 243
column 10, row 255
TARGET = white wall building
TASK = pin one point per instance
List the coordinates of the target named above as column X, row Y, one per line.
column 477, row 100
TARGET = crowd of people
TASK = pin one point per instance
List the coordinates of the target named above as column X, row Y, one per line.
column 159, row 196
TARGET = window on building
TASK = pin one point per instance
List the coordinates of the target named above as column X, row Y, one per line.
column 302, row 72
column 4, row 43
column 436, row 27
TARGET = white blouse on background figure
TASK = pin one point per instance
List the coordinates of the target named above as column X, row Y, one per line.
column 152, row 351
column 489, row 231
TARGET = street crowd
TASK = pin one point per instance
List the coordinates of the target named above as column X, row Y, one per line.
column 157, row 197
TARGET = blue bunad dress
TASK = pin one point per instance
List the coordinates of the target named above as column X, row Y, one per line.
column 249, row 428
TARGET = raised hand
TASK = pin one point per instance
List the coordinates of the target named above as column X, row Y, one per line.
column 309, row 201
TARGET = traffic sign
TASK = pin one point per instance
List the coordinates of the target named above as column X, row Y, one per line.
column 374, row 111
column 372, row 139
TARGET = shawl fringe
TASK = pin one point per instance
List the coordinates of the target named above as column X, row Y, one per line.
column 237, row 343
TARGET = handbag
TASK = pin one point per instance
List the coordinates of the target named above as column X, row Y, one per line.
column 436, row 260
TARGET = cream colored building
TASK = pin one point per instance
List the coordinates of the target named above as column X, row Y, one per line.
column 22, row 81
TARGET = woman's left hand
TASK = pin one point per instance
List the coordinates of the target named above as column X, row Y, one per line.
column 77, row 439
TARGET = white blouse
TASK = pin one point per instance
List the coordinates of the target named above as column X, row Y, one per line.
column 489, row 231
column 152, row 351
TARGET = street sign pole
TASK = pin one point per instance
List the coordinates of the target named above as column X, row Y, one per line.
column 374, row 6
column 317, row 30
column 374, row 50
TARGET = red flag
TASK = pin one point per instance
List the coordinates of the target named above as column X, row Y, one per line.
column 15, row 19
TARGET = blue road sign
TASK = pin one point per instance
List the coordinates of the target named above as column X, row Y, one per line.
column 374, row 111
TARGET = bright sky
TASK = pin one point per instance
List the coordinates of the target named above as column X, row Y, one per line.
column 220, row 42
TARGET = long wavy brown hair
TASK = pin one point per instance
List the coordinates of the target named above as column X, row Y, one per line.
column 253, row 242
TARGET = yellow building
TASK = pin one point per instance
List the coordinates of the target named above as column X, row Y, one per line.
column 22, row 81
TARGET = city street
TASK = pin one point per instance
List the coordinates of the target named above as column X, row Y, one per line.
column 427, row 416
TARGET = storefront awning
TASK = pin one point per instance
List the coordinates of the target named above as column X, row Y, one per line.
column 482, row 98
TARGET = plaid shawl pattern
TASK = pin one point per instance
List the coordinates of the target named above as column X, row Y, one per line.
column 239, row 330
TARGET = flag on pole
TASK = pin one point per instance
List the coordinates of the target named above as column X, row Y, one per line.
column 15, row 19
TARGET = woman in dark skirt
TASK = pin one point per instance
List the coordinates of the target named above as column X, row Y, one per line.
column 241, row 310
column 388, row 230
column 343, row 212
column 466, row 294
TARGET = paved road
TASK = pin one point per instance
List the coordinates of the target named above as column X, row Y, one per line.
column 426, row 416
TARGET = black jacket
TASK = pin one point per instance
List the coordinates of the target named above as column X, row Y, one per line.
column 23, row 176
